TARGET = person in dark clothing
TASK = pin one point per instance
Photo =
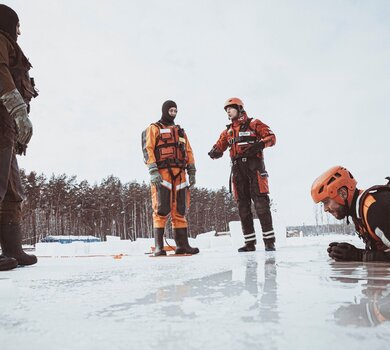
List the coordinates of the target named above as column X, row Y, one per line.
column 369, row 210
column 247, row 138
column 16, row 91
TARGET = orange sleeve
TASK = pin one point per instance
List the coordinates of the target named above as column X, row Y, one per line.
column 265, row 133
column 222, row 143
column 6, row 81
column 149, row 137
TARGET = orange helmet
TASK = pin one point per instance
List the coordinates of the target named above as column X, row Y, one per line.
column 328, row 184
column 234, row 101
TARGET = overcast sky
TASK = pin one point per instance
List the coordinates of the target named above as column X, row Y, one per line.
column 317, row 72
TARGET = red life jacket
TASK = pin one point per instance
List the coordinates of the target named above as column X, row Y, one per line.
column 170, row 149
column 240, row 137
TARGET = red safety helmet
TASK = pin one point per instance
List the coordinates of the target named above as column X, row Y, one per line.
column 234, row 101
column 328, row 184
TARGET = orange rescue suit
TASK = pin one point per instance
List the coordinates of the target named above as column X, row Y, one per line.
column 242, row 133
column 169, row 148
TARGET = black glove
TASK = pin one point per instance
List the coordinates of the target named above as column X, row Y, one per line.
column 255, row 148
column 215, row 154
column 344, row 252
column 373, row 255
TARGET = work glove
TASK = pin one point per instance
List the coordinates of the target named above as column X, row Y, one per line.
column 344, row 252
column 191, row 171
column 214, row 153
column 155, row 177
column 255, row 148
column 17, row 109
column 373, row 255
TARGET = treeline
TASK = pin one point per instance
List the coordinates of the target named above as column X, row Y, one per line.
column 315, row 230
column 61, row 205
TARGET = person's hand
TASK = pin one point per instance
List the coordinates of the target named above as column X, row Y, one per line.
column 155, row 176
column 214, row 153
column 345, row 252
column 192, row 180
column 191, row 171
column 255, row 148
column 24, row 126
column 17, row 108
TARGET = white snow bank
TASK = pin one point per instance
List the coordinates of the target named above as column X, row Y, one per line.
column 114, row 246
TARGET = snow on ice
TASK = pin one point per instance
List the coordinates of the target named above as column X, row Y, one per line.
column 294, row 298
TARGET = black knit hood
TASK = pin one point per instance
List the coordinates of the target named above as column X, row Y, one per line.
column 8, row 21
column 165, row 117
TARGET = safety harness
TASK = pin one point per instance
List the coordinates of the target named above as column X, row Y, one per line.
column 246, row 135
column 170, row 149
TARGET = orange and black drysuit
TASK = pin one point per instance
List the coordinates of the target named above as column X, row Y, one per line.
column 246, row 138
column 169, row 148
column 370, row 212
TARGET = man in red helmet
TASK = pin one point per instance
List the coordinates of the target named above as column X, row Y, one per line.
column 369, row 210
column 246, row 139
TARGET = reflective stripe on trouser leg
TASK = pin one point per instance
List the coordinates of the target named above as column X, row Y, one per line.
column 269, row 235
column 250, row 237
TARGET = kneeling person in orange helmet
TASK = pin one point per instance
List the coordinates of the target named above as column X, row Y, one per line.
column 168, row 154
column 369, row 210
column 247, row 138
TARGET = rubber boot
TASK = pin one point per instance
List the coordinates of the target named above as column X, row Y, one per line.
column 7, row 263
column 11, row 244
column 182, row 245
column 159, row 242
column 269, row 245
column 248, row 247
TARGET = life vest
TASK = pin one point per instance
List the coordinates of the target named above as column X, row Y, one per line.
column 364, row 230
column 170, row 149
column 240, row 140
column 19, row 67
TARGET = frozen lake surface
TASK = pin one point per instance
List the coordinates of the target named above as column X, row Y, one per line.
column 294, row 298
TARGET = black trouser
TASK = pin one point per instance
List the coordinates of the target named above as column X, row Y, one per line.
column 11, row 190
column 250, row 183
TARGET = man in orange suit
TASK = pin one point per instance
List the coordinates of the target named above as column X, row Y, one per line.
column 168, row 155
column 246, row 139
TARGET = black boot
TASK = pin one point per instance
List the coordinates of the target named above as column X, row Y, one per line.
column 269, row 245
column 159, row 242
column 11, row 244
column 182, row 245
column 248, row 247
column 7, row 263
